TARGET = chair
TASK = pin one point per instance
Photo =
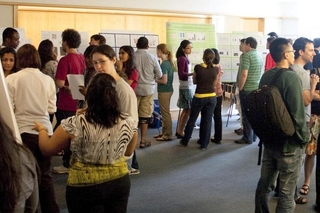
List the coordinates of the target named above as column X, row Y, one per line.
column 230, row 93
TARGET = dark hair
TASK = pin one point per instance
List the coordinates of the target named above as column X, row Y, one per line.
column 45, row 52
column 88, row 52
column 28, row 56
column 98, row 37
column 6, row 50
column 8, row 33
column 270, row 39
column 72, row 37
column 10, row 164
column 243, row 40
column 164, row 49
column 273, row 34
column 183, row 45
column 142, row 43
column 208, row 57
column 300, row 44
column 316, row 42
column 128, row 65
column 252, row 42
column 102, row 101
column 105, row 50
column 216, row 59
column 277, row 48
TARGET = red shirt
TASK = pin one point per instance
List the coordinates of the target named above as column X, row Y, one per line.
column 134, row 77
column 269, row 63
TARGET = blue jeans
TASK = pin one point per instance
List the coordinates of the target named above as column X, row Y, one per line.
column 206, row 107
column 288, row 167
column 248, row 134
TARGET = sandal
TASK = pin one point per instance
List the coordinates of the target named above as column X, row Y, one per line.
column 144, row 144
column 304, row 190
column 301, row 200
column 164, row 139
column 158, row 136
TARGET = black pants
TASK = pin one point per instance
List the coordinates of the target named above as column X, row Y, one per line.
column 217, row 117
column 112, row 196
column 318, row 175
column 46, row 191
column 60, row 115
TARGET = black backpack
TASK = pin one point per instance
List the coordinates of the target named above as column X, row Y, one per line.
column 267, row 113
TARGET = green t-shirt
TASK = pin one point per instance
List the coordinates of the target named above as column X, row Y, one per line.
column 252, row 61
column 168, row 70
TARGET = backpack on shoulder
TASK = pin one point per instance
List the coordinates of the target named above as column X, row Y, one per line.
column 268, row 114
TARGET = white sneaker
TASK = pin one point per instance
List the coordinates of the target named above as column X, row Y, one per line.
column 197, row 127
column 60, row 170
column 134, row 171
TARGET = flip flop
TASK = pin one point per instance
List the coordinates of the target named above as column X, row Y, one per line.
column 304, row 190
column 164, row 139
column 301, row 200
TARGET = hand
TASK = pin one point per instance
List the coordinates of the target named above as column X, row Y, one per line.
column 37, row 126
column 83, row 90
column 314, row 79
column 81, row 111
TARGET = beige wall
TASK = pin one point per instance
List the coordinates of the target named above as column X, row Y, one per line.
column 7, row 16
column 35, row 21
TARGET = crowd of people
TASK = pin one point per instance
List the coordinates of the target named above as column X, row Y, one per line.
column 98, row 136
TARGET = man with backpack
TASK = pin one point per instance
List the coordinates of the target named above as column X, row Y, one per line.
column 282, row 155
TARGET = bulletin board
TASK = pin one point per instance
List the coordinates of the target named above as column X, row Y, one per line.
column 228, row 47
column 119, row 39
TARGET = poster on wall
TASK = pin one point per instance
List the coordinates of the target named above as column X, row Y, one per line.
column 202, row 36
column 55, row 37
column 118, row 39
column 6, row 109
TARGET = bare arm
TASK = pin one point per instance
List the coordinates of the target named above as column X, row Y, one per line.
column 243, row 78
column 132, row 145
column 162, row 80
column 50, row 146
column 60, row 83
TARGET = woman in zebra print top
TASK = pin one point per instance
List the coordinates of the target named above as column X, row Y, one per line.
column 98, row 139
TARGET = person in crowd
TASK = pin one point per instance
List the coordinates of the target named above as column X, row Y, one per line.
column 8, row 58
column 242, row 45
column 89, row 72
column 165, row 91
column 273, row 34
column 204, row 100
column 10, row 38
column 315, row 111
column 217, row 116
column 72, row 63
column 99, row 139
column 304, row 53
column 269, row 63
column 283, row 157
column 19, row 175
column 126, row 65
column 97, row 39
column 33, row 97
column 248, row 78
column 185, row 85
column 149, row 70
column 48, row 58
column 49, row 61
column 104, row 60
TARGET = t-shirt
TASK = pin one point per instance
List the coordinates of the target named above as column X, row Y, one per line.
column 134, row 76
column 252, row 61
column 97, row 151
column 269, row 63
column 205, row 78
column 168, row 70
column 72, row 63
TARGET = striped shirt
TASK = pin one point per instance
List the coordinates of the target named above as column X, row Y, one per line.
column 252, row 61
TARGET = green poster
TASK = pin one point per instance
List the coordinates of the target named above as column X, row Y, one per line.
column 202, row 36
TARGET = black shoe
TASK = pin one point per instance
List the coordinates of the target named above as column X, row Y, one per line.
column 316, row 208
column 242, row 141
column 178, row 135
column 198, row 142
column 215, row 141
column 182, row 144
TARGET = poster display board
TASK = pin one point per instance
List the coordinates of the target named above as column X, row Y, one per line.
column 55, row 37
column 23, row 39
column 202, row 36
column 118, row 39
column 228, row 47
column 6, row 109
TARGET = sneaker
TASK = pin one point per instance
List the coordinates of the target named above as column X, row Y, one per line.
column 60, row 170
column 134, row 171
column 196, row 126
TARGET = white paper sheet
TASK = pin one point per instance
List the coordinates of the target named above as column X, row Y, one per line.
column 74, row 82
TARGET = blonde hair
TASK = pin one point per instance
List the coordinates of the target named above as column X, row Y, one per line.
column 164, row 49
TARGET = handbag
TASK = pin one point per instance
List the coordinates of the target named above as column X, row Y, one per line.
column 314, row 126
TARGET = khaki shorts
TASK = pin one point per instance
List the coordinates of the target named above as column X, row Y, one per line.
column 145, row 106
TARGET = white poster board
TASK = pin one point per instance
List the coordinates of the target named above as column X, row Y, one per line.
column 6, row 109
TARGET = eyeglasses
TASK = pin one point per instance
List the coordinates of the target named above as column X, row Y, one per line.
column 101, row 62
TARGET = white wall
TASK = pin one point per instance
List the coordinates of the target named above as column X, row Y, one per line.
column 6, row 19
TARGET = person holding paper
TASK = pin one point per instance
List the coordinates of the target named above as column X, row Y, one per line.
column 72, row 63
column 33, row 97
